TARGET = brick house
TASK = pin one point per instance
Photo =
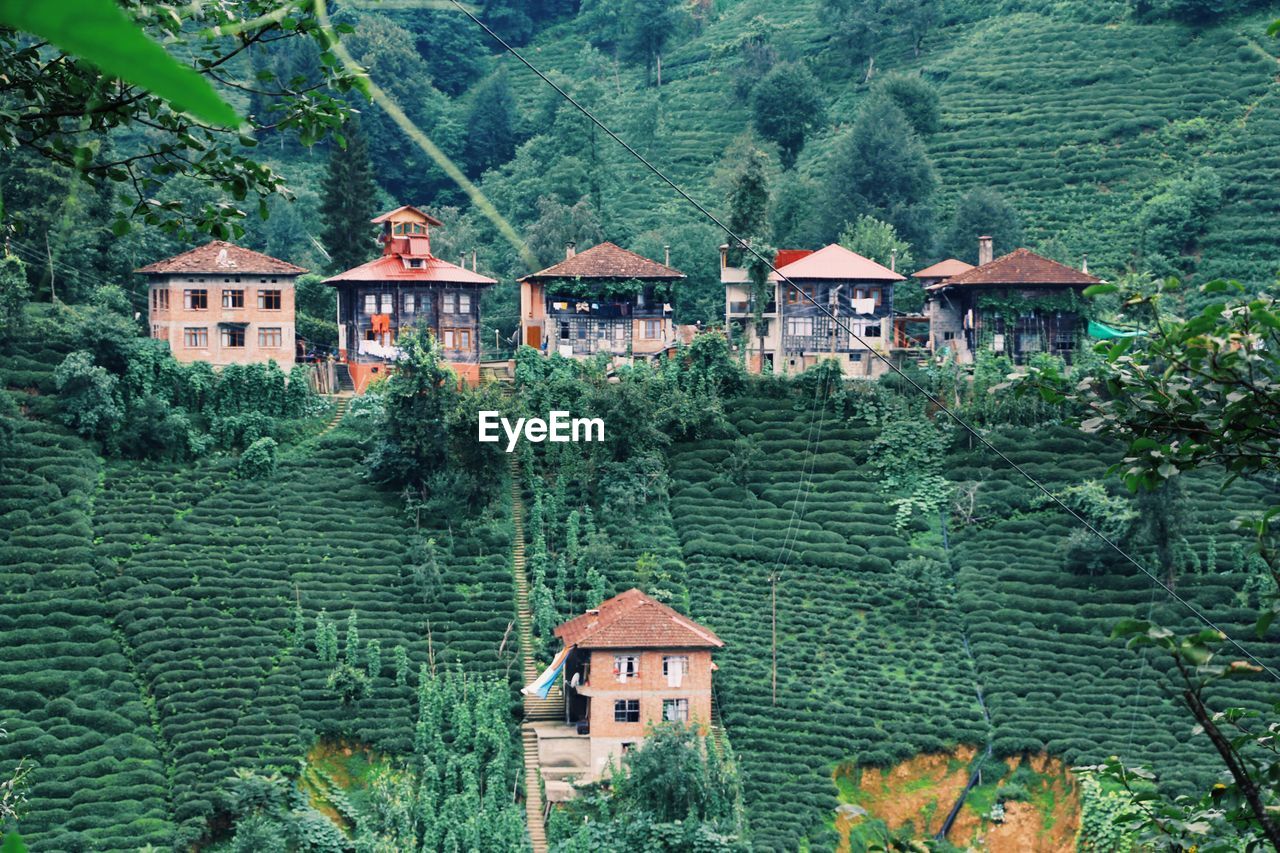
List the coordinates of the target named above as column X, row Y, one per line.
column 406, row 287
column 223, row 304
column 602, row 299
column 631, row 663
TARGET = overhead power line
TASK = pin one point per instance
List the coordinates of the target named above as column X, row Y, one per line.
column 942, row 407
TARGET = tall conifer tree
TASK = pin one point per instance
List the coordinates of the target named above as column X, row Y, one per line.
column 350, row 198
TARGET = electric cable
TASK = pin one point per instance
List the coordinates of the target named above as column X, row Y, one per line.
column 942, row 407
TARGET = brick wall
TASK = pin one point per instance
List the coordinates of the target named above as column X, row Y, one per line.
column 171, row 322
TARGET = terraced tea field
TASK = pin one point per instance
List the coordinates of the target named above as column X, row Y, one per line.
column 1053, row 680
column 860, row 676
column 208, row 601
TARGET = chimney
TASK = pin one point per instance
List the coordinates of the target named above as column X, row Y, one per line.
column 984, row 250
column 1084, row 264
column 570, row 249
column 666, row 255
column 473, row 260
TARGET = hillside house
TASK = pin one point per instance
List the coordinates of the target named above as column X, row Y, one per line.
column 796, row 333
column 603, row 299
column 223, row 304
column 407, row 287
column 630, row 663
column 1016, row 305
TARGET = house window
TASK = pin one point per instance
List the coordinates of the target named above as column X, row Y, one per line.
column 855, row 356
column 948, row 336
column 195, row 300
column 652, row 329
column 793, row 294
column 800, row 326
column 871, row 331
column 878, row 295
column 464, row 303
column 269, row 300
column 464, row 339
column 270, row 337
column 195, row 337
column 626, row 667
column 160, row 299
column 371, row 303
column 233, row 299
column 564, row 330
column 675, row 668
column 448, row 336
column 675, row 710
column 157, row 331
column 626, row 710
column 415, row 263
column 232, row 338
column 386, row 301
column 409, row 303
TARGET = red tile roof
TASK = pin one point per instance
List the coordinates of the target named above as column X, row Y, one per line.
column 222, row 257
column 633, row 620
column 838, row 263
column 606, row 260
column 943, row 269
column 392, row 268
column 1021, row 267
column 788, row 256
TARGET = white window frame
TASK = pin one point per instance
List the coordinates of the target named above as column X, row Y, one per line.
column 675, row 710
column 626, row 667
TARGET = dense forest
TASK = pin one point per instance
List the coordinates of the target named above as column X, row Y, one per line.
column 1139, row 134
column 237, row 614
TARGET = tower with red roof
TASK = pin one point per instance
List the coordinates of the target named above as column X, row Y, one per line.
column 407, row 287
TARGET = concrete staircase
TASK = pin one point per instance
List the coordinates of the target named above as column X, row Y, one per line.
column 534, row 708
column 342, row 402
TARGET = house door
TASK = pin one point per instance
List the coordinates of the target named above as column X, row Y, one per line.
column 533, row 336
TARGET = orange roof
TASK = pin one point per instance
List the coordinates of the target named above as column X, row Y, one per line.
column 836, row 262
column 606, row 260
column 633, row 620
column 406, row 208
column 222, row 257
column 392, row 268
column 943, row 269
column 1020, row 267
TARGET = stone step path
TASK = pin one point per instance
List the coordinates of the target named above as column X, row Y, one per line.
column 528, row 668
column 343, row 402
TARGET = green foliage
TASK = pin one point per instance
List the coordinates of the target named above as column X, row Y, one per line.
column 14, row 293
column 786, row 106
column 349, row 202
column 916, row 97
column 1173, row 220
column 130, row 80
column 120, row 49
column 748, row 200
column 981, row 213
column 676, row 791
column 271, row 814
column 86, row 396
column 908, row 456
column 352, row 647
column 492, row 125
column 258, row 459
column 880, row 168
